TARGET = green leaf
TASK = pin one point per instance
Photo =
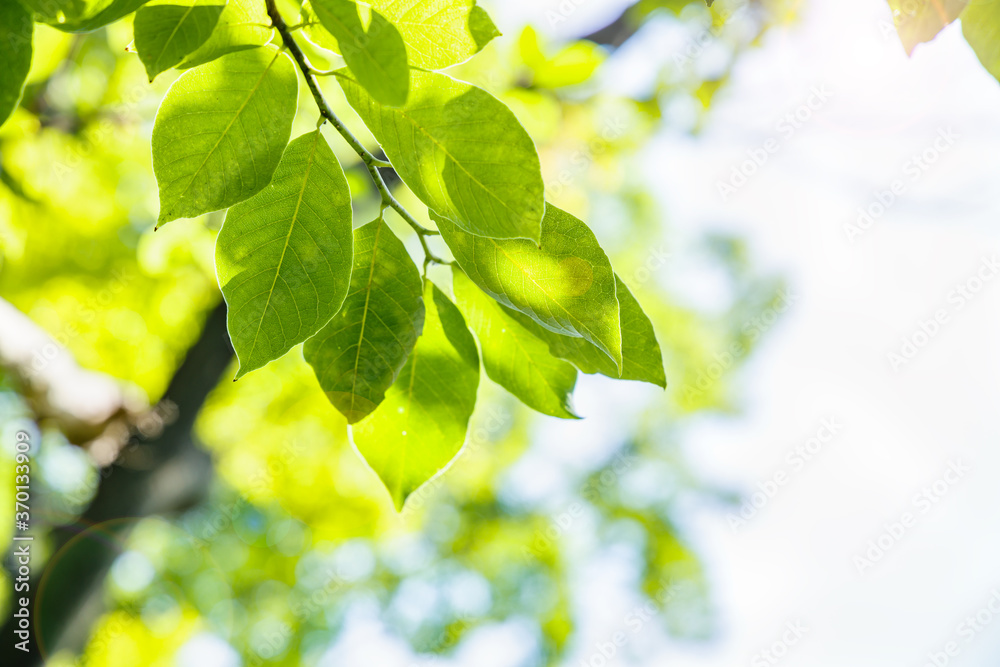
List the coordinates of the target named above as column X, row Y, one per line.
column 357, row 356
column 314, row 31
column 515, row 358
column 437, row 33
column 80, row 15
column 16, row 29
column 462, row 152
column 64, row 11
column 641, row 356
column 375, row 54
column 565, row 283
column 284, row 256
column 981, row 27
column 168, row 30
column 220, row 131
column 920, row 21
column 242, row 25
column 422, row 423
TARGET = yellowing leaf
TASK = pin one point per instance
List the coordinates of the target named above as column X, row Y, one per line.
column 220, row 131
column 284, row 256
column 421, row 425
column 357, row 356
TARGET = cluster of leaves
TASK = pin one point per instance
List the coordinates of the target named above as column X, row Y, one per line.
column 919, row 21
column 78, row 148
column 391, row 350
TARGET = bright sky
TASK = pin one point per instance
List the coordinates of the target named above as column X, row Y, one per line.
column 897, row 430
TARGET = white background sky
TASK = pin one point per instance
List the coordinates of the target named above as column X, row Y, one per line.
column 828, row 355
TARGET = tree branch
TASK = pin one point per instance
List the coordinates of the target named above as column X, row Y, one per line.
column 91, row 409
column 371, row 162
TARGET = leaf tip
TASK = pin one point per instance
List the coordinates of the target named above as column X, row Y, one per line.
column 568, row 409
column 398, row 500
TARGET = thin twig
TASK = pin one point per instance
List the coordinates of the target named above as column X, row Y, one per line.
column 371, row 162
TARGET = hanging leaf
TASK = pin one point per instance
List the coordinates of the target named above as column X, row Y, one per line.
column 220, row 132
column 357, row 356
column 641, row 356
column 166, row 31
column 514, row 357
column 437, row 33
column 421, row 425
column 284, row 256
column 565, row 284
column 462, row 152
column 440, row 33
column 242, row 25
column 375, row 53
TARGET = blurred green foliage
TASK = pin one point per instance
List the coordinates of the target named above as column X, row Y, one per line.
column 299, row 539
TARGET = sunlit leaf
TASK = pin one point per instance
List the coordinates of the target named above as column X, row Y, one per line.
column 220, row 131
column 422, row 424
column 515, row 358
column 641, row 356
column 437, row 33
column 440, row 33
column 80, row 15
column 15, row 54
column 242, row 25
column 284, row 256
column 981, row 27
column 462, row 152
column 166, row 31
column 375, row 53
column 565, row 283
column 358, row 355
column 920, row 21
column 66, row 12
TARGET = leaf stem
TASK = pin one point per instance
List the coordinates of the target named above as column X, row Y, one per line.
column 371, row 162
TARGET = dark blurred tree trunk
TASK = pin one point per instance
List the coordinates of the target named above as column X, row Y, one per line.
column 162, row 475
